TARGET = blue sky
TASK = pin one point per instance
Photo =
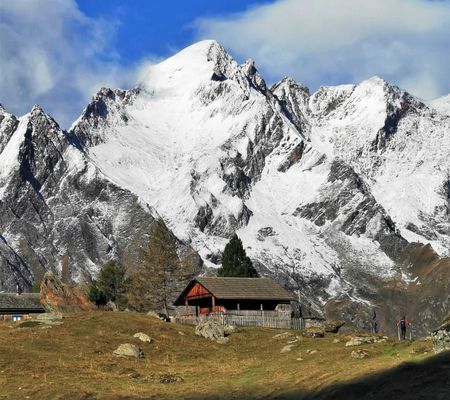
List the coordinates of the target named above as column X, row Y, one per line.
column 57, row 53
column 158, row 27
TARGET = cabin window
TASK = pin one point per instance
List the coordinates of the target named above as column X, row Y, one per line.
column 16, row 317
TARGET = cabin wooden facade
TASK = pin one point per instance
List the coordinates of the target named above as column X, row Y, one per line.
column 16, row 307
column 215, row 294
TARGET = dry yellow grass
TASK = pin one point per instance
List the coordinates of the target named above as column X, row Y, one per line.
column 75, row 361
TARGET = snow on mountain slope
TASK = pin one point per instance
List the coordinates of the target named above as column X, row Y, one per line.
column 398, row 145
column 442, row 104
column 57, row 210
column 208, row 145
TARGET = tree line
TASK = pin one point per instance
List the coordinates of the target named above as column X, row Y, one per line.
column 149, row 284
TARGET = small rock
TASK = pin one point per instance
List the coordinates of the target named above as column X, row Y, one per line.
column 359, row 340
column 287, row 348
column 134, row 375
column 128, row 350
column 181, row 333
column 359, row 354
column 313, row 352
column 142, row 337
column 299, row 359
column 223, row 340
column 229, row 329
column 284, row 336
column 153, row 314
column 336, row 340
column 168, row 378
column 54, row 318
column 292, row 341
column 111, row 306
column 314, row 332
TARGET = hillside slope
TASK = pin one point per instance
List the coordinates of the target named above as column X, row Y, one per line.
column 74, row 360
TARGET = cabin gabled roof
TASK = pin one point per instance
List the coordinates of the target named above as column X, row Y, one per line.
column 240, row 289
column 25, row 302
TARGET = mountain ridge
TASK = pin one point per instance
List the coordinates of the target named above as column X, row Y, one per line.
column 309, row 181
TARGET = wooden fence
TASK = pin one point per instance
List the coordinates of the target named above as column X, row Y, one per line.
column 266, row 319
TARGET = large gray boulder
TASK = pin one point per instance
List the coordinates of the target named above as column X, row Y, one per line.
column 212, row 330
column 128, row 350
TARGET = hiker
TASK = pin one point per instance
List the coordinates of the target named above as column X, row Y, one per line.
column 402, row 324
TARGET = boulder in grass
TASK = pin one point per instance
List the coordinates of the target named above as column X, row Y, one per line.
column 55, row 318
column 111, row 306
column 287, row 348
column 284, row 336
column 314, row 332
column 359, row 354
column 223, row 340
column 210, row 329
column 360, row 340
column 229, row 329
column 142, row 337
column 128, row 350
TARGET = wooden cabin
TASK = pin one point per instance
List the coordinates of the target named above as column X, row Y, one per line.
column 17, row 307
column 215, row 294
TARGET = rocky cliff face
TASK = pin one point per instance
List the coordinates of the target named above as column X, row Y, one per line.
column 329, row 191
column 58, row 211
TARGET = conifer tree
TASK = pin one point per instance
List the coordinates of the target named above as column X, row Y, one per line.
column 111, row 282
column 235, row 261
column 149, row 286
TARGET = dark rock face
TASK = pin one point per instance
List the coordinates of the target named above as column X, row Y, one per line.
column 14, row 271
column 94, row 121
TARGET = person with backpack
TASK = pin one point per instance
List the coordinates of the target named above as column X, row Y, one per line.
column 402, row 324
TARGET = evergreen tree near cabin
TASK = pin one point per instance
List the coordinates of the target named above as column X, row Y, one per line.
column 150, row 285
column 110, row 284
column 235, row 262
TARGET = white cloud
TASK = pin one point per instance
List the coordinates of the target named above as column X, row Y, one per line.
column 54, row 55
column 407, row 42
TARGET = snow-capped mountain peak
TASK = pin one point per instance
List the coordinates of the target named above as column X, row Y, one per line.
column 328, row 190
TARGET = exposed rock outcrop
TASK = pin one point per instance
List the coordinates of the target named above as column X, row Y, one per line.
column 56, row 296
column 441, row 336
